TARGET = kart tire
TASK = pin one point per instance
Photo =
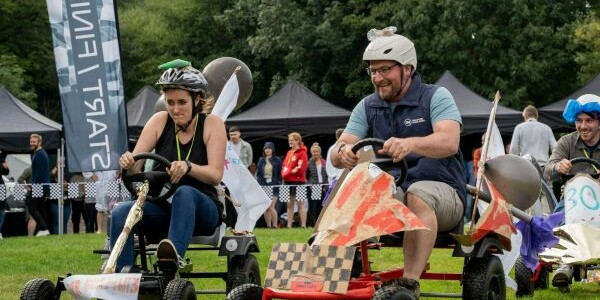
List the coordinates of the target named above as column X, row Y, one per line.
column 578, row 273
column 180, row 289
column 246, row 291
column 484, row 279
column 543, row 282
column 242, row 269
column 393, row 292
column 38, row 289
column 523, row 276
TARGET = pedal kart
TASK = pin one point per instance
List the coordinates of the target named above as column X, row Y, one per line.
column 147, row 279
column 482, row 276
column 581, row 207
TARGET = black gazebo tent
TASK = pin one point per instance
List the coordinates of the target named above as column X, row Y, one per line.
column 291, row 108
column 551, row 114
column 475, row 110
column 19, row 121
column 139, row 109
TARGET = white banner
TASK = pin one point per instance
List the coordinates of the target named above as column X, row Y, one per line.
column 121, row 286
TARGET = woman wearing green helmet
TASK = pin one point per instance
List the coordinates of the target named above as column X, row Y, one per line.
column 194, row 142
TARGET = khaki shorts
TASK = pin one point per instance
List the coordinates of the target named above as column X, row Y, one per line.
column 442, row 198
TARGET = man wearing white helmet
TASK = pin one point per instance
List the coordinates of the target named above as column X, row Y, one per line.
column 585, row 113
column 421, row 124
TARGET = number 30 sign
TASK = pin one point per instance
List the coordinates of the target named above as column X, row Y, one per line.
column 582, row 201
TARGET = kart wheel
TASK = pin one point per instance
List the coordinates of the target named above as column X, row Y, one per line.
column 38, row 289
column 523, row 276
column 246, row 291
column 543, row 281
column 242, row 269
column 578, row 273
column 180, row 289
column 393, row 292
column 484, row 279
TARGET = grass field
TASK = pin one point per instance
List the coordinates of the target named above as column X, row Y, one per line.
column 25, row 258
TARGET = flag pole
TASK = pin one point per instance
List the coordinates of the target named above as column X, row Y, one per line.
column 484, row 151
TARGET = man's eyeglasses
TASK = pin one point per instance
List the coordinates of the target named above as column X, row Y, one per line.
column 381, row 70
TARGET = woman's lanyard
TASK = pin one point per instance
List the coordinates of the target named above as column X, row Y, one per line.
column 588, row 156
column 191, row 146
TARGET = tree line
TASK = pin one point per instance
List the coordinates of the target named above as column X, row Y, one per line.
column 535, row 52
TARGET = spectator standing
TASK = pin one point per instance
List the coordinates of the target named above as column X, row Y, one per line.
column 532, row 137
column 4, row 170
column 54, row 203
column 333, row 173
column 268, row 172
column 477, row 158
column 293, row 173
column 316, row 174
column 77, row 202
column 40, row 174
column 242, row 148
column 89, row 204
column 421, row 124
column 25, row 179
column 104, row 202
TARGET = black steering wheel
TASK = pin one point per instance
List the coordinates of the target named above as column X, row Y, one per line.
column 565, row 177
column 156, row 179
column 385, row 164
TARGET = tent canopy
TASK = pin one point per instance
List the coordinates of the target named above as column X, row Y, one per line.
column 139, row 110
column 19, row 121
column 475, row 110
column 291, row 108
column 551, row 114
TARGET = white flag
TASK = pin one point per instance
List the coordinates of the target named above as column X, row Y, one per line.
column 227, row 99
column 243, row 187
column 493, row 147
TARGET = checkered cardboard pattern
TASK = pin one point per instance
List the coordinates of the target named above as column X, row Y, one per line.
column 334, row 263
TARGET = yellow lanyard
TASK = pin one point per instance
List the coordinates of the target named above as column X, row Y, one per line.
column 191, row 146
column 588, row 156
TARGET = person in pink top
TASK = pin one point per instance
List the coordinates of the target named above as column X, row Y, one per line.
column 293, row 172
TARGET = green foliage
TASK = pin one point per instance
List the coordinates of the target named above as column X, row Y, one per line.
column 48, row 257
column 587, row 35
column 12, row 78
column 532, row 51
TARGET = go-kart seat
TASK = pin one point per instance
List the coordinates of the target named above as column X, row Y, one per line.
column 213, row 240
column 443, row 239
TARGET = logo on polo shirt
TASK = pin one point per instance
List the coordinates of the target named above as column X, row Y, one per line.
column 409, row 122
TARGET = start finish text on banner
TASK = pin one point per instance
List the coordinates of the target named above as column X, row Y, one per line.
column 88, row 65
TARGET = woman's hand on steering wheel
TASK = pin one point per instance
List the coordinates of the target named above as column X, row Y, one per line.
column 177, row 170
column 126, row 161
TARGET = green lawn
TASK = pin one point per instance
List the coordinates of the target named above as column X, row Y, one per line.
column 25, row 258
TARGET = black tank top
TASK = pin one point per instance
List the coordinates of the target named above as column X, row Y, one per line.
column 166, row 146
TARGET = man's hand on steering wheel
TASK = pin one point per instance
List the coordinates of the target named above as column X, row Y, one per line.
column 396, row 148
column 563, row 167
column 347, row 156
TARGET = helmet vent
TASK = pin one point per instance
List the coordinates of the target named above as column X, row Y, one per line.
column 388, row 51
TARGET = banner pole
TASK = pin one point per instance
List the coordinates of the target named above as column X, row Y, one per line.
column 60, row 180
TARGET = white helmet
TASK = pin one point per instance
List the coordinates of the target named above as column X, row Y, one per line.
column 385, row 45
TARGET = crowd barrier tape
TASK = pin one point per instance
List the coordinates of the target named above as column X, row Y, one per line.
column 116, row 190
